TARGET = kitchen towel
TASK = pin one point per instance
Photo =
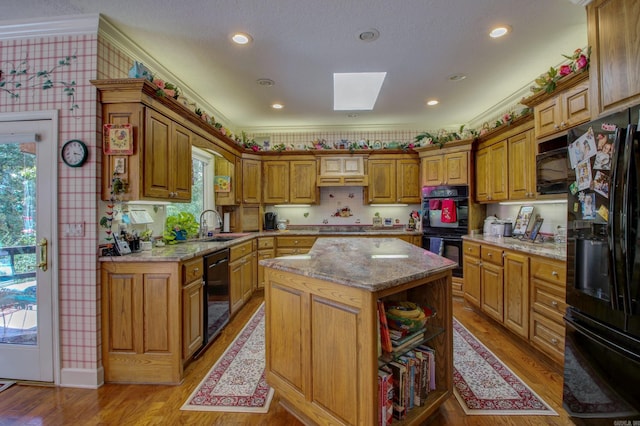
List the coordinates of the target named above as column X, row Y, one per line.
column 436, row 245
column 434, row 204
column 448, row 211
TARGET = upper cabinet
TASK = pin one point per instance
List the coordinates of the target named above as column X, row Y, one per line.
column 393, row 179
column 289, row 181
column 347, row 170
column 614, row 37
column 559, row 113
column 251, row 181
column 224, row 167
column 449, row 165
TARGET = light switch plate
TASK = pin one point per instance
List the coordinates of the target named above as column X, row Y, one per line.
column 73, row 229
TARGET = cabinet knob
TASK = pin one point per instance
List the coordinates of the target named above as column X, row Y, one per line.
column 554, row 303
column 554, row 341
column 469, row 248
column 554, row 273
column 490, row 254
column 563, row 124
column 196, row 269
column 555, row 126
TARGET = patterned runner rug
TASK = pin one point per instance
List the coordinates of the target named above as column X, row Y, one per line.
column 483, row 385
column 236, row 382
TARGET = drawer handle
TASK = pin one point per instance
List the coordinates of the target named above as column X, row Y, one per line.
column 554, row 273
column 469, row 248
column 554, row 341
column 554, row 303
column 195, row 270
column 489, row 254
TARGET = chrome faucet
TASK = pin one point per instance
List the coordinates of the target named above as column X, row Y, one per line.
column 203, row 232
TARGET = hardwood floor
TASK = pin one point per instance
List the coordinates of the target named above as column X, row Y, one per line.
column 160, row 405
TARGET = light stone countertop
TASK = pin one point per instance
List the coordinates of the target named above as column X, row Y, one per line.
column 371, row 264
column 546, row 249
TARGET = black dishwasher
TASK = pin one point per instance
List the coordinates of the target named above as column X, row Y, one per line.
column 217, row 300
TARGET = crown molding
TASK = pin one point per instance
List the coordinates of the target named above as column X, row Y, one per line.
column 118, row 39
column 47, row 27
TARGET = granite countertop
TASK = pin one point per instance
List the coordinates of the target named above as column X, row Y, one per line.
column 368, row 263
column 194, row 248
column 545, row 249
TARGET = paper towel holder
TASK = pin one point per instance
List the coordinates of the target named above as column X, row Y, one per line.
column 225, row 222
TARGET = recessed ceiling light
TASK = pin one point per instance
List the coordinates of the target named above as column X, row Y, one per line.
column 241, row 38
column 369, row 35
column 457, row 77
column 432, row 102
column 277, row 106
column 356, row 90
column 499, row 31
column 265, row 82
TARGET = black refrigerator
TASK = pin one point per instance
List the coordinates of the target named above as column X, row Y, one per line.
column 602, row 344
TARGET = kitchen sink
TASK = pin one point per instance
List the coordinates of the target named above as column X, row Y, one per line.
column 223, row 238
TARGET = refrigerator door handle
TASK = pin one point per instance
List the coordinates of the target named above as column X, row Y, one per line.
column 626, row 229
column 616, row 192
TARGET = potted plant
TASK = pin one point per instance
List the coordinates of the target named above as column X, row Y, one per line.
column 179, row 227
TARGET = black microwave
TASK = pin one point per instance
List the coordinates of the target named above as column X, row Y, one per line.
column 552, row 171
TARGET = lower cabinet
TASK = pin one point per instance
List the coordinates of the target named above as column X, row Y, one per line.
column 286, row 246
column 266, row 250
column 243, row 262
column 525, row 293
column 151, row 319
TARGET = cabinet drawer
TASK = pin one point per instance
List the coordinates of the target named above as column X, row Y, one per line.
column 288, row 251
column 471, row 249
column 265, row 242
column 191, row 270
column 241, row 250
column 491, row 255
column 296, row 241
column 549, row 270
column 547, row 336
column 548, row 299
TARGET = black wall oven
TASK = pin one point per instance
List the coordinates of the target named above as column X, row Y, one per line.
column 445, row 219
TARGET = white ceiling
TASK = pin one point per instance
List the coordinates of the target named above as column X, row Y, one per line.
column 300, row 44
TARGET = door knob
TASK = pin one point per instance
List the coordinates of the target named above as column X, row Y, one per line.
column 43, row 254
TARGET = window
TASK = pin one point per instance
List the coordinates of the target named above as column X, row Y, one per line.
column 201, row 187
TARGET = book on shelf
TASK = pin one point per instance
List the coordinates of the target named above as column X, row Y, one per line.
column 409, row 362
column 430, row 353
column 422, row 377
column 385, row 380
column 385, row 338
column 408, row 343
column 399, row 378
column 398, row 341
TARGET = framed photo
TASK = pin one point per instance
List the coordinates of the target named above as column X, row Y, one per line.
column 535, row 229
column 120, row 165
column 522, row 220
column 118, row 139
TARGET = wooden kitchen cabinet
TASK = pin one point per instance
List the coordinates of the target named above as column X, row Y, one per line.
column 564, row 110
column 393, row 180
column 289, row 182
column 613, row 32
column 516, row 293
column 224, row 167
column 491, row 172
column 192, row 307
column 289, row 245
column 266, row 250
column 472, row 273
column 522, row 166
column 143, row 320
column 242, row 273
column 492, row 282
column 446, row 169
column 251, row 181
column 548, row 295
column 342, row 171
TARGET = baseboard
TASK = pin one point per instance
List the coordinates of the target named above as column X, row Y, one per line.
column 82, row 378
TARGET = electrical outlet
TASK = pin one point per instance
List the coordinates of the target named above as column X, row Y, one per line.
column 73, row 229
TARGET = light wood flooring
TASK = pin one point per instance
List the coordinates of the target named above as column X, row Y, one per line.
column 116, row 404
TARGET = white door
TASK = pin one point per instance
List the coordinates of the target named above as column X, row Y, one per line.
column 28, row 194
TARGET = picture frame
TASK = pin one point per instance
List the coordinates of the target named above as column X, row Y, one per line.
column 117, row 139
column 535, row 229
column 522, row 220
column 120, row 165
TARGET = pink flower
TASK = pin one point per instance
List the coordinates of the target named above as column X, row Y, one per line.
column 255, row 148
column 565, row 70
column 159, row 83
column 581, row 62
column 170, row 93
column 507, row 117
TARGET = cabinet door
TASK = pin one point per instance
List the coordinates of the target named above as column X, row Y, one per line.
column 263, row 254
column 516, row 293
column 522, row 171
column 192, row 324
column 471, row 272
column 432, row 170
column 492, row 291
column 408, row 184
column 248, row 283
column 576, row 105
column 547, row 117
column 235, row 284
column 251, row 181
column 157, row 151
column 382, row 181
column 302, row 182
column 482, row 175
column 276, row 182
column 180, row 169
column 498, row 171
column 613, row 34
column 456, row 168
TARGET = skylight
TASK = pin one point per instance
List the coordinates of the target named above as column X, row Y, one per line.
column 356, row 90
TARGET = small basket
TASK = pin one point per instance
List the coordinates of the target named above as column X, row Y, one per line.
column 420, row 316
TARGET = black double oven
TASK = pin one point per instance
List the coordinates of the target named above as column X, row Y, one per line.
column 445, row 219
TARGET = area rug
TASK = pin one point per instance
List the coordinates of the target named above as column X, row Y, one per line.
column 483, row 385
column 236, row 382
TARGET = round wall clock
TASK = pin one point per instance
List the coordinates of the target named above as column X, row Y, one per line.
column 74, row 153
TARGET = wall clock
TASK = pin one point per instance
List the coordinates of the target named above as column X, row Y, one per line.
column 74, row 153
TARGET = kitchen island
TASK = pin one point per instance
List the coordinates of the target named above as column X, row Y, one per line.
column 322, row 346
